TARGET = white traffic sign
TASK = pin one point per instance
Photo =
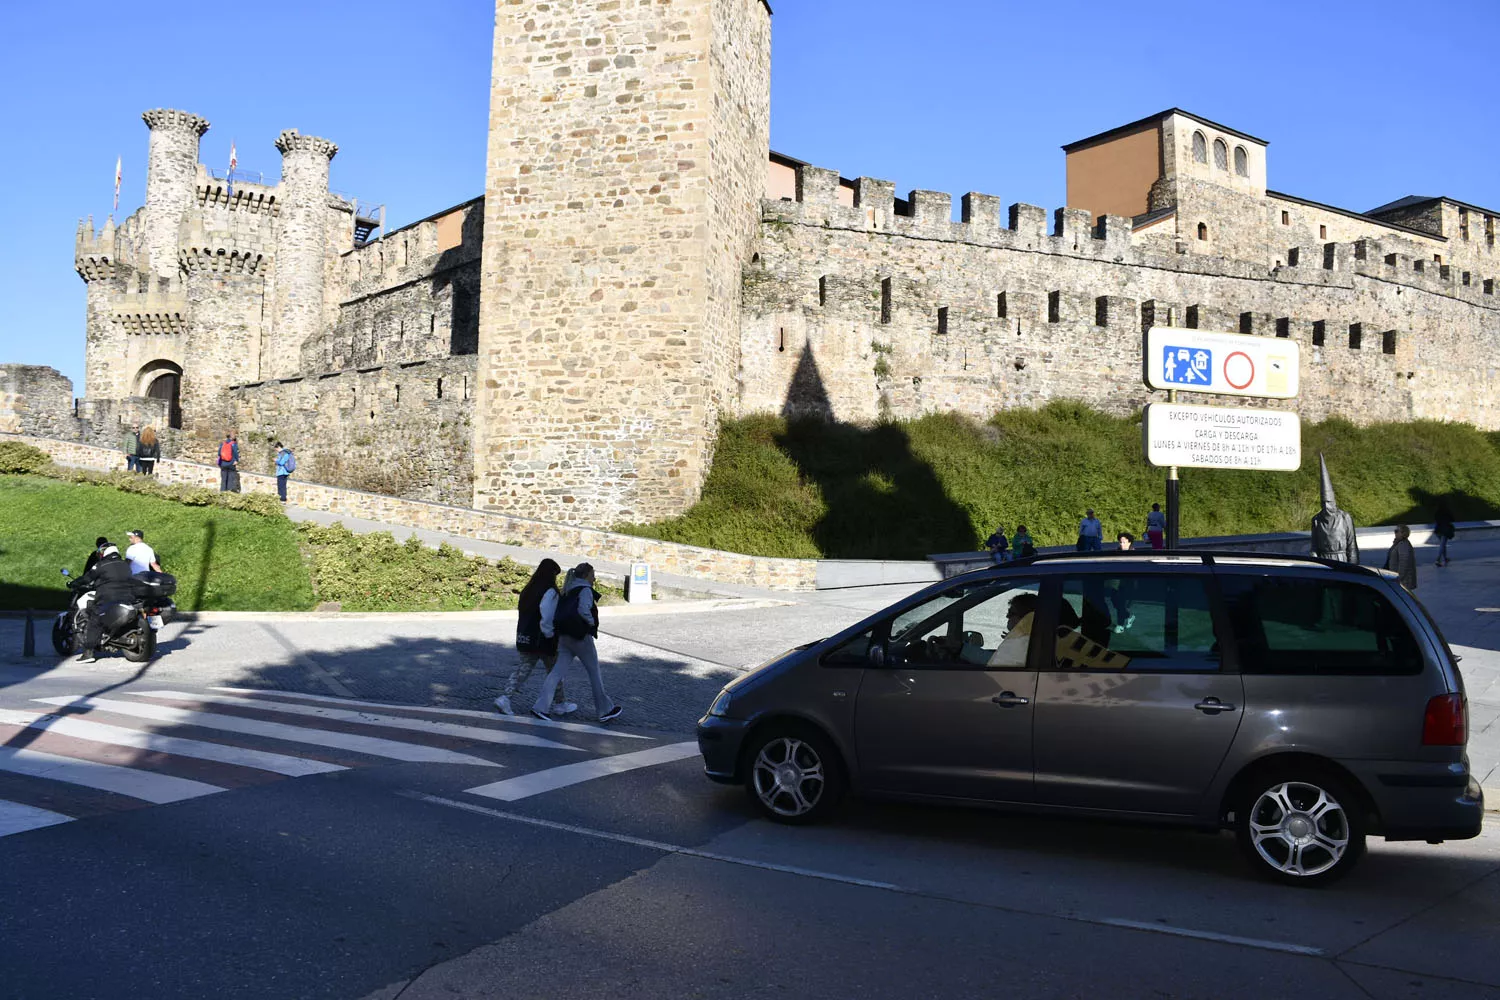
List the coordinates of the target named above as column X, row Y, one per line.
column 1222, row 437
column 1231, row 364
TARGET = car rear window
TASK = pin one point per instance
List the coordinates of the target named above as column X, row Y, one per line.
column 1296, row 625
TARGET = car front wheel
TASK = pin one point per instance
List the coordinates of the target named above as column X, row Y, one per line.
column 794, row 775
column 1300, row 828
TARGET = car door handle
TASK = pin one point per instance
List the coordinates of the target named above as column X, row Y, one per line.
column 1009, row 699
column 1213, row 706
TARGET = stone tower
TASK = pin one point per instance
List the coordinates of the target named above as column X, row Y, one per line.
column 627, row 158
column 171, row 174
column 301, row 249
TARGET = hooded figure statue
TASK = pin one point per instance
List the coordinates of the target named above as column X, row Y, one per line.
column 1332, row 529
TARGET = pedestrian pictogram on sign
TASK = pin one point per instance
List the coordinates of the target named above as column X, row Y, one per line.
column 1187, row 365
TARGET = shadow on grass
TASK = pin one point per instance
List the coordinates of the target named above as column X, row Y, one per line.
column 1463, row 505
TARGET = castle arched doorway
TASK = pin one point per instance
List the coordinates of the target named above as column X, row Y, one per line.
column 163, row 380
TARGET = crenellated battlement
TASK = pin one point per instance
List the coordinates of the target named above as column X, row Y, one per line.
column 240, row 196
column 170, row 119
column 221, row 260
column 150, row 313
column 292, row 141
column 1396, row 261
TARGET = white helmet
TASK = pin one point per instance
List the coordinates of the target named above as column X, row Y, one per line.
column 107, row 551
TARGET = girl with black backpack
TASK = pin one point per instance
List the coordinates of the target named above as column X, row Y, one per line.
column 576, row 624
column 536, row 643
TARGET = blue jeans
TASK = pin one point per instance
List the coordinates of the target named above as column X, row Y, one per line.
column 1442, row 549
column 1090, row 543
column 131, row 465
column 281, row 488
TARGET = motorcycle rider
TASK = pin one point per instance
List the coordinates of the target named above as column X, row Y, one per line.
column 110, row 580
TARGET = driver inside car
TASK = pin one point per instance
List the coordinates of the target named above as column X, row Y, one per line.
column 1019, row 617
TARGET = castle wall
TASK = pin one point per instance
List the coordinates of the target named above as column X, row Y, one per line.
column 858, row 313
column 402, row 429
column 615, row 177
column 35, row 400
column 307, row 223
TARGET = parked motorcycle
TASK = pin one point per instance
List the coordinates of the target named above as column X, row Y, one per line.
column 130, row 628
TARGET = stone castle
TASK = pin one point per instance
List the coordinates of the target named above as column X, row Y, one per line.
column 641, row 265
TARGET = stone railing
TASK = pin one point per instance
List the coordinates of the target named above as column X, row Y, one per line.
column 491, row 526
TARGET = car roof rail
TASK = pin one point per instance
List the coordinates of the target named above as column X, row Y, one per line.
column 1208, row 557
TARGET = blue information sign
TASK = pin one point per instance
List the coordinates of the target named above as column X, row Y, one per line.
column 1187, row 365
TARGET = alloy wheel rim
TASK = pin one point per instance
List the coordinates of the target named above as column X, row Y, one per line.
column 788, row 776
column 1299, row 829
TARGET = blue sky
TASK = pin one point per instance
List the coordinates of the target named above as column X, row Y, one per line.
column 1363, row 101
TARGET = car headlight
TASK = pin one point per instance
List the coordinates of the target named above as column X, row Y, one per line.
column 720, row 707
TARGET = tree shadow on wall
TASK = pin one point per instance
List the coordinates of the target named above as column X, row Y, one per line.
column 883, row 501
column 1463, row 505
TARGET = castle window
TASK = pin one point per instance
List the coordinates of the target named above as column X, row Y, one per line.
column 1322, row 232
column 1356, row 336
column 1241, row 161
column 781, row 340
column 1489, row 286
column 1388, row 342
column 823, row 290
column 1320, row 331
column 1192, row 317
column 398, row 395
column 1000, row 306
column 1283, row 327
column 1221, row 155
column 1054, row 307
column 885, row 300
column 1200, row 148
column 1101, row 310
column 1463, row 223
column 1247, row 322
column 1286, row 218
column 439, row 388
column 1489, row 229
column 1437, row 258
column 942, row 327
column 1203, row 230
column 1466, row 278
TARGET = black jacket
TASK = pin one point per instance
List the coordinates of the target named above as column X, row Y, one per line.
column 110, row 580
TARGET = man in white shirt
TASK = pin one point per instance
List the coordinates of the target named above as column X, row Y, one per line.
column 141, row 556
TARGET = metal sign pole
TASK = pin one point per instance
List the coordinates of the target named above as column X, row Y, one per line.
column 1172, row 494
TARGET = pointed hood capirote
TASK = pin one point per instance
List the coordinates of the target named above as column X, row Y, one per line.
column 1325, row 486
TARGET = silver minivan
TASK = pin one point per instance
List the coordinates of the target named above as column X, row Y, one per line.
column 1304, row 704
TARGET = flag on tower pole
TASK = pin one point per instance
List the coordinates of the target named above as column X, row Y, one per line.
column 234, row 161
column 118, row 161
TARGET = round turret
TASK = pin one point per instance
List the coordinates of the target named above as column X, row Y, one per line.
column 301, row 246
column 171, row 173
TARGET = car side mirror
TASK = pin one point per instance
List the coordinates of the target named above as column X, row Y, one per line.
column 876, row 656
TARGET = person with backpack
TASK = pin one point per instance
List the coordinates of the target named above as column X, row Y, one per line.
column 536, row 639
column 286, row 464
column 229, row 461
column 576, row 624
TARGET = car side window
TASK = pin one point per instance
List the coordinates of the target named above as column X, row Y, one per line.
column 985, row 626
column 854, row 652
column 1298, row 625
column 1136, row 622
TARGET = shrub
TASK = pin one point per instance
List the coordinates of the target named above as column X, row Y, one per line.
column 263, row 504
column 16, row 457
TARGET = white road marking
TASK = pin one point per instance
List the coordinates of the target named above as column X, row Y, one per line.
column 16, row 817
column 656, row 845
column 475, row 733
column 554, row 778
column 129, row 781
column 372, row 745
column 98, row 732
column 312, row 666
column 525, row 720
column 1146, row 925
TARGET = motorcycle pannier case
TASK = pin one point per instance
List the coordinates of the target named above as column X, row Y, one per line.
column 154, row 585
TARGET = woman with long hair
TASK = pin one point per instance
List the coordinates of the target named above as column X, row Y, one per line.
column 150, row 451
column 536, row 642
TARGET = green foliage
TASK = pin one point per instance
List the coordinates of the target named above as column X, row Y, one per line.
column 17, row 457
column 941, row 483
column 224, row 560
column 263, row 504
column 374, row 572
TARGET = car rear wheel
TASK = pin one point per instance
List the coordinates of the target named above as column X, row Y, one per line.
column 1300, row 826
column 794, row 775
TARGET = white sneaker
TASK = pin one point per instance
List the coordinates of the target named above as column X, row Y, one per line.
column 503, row 704
column 563, row 708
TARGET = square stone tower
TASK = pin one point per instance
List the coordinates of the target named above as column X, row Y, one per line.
column 627, row 157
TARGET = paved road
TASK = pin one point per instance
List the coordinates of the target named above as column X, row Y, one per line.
column 326, row 809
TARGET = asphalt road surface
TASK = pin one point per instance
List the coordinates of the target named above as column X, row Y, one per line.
column 328, row 809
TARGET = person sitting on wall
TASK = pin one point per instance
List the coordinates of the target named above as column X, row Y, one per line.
column 998, row 545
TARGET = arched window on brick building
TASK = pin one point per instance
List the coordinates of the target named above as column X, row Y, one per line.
column 1200, row 148
column 1221, row 154
column 1241, row 161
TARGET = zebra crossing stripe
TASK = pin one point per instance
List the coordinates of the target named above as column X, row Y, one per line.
column 554, row 778
column 468, row 713
column 99, row 732
column 372, row 745
column 369, row 719
column 137, row 784
column 16, row 817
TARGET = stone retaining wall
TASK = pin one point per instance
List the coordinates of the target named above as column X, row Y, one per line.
column 664, row 557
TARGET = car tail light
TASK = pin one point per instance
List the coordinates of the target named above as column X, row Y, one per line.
column 1446, row 723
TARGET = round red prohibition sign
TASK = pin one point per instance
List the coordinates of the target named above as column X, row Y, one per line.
column 1245, row 368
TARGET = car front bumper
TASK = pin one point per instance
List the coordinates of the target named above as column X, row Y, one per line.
column 719, row 741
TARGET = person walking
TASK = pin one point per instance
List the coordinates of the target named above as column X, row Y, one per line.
column 1402, row 559
column 536, row 641
column 130, row 444
column 1021, row 544
column 286, row 464
column 1090, row 533
column 998, row 545
column 149, row 452
column 229, row 461
column 1444, row 530
column 1156, row 527
column 576, row 623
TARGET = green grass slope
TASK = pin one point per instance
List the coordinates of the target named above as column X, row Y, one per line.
column 942, row 483
column 224, row 560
